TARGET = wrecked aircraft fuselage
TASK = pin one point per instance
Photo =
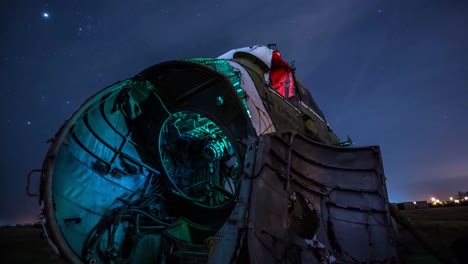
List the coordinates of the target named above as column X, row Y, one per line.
column 223, row 160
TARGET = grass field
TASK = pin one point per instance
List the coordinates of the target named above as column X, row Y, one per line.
column 441, row 226
column 23, row 245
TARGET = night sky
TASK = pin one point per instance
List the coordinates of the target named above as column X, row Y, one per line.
column 388, row 73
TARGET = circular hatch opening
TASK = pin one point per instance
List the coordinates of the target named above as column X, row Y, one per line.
column 199, row 159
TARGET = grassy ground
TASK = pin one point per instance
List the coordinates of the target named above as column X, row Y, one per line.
column 23, row 245
column 441, row 227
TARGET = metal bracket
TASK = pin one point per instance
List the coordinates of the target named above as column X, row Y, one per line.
column 28, row 185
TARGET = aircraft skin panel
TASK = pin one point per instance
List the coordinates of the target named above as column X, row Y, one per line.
column 259, row 115
column 298, row 195
column 263, row 53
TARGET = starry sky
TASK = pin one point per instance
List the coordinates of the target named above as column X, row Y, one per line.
column 388, row 73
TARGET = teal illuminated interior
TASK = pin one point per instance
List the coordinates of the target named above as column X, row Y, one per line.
column 198, row 158
column 115, row 201
column 147, row 169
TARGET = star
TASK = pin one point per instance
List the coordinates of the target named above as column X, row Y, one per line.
column 45, row 15
column 29, row 122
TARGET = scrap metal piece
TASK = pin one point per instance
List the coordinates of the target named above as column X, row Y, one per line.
column 344, row 188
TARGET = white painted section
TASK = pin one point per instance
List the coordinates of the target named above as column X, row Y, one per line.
column 260, row 118
column 262, row 52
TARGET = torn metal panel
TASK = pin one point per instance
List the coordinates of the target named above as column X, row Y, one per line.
column 342, row 187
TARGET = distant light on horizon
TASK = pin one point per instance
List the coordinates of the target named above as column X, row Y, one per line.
column 433, row 199
column 451, row 198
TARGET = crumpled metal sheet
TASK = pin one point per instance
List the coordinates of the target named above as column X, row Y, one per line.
column 343, row 188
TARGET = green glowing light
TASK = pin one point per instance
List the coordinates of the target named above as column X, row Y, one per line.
column 198, row 158
column 243, row 97
column 347, row 143
column 222, row 66
column 219, row 101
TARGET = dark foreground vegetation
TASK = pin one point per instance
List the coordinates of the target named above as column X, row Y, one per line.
column 24, row 245
column 446, row 228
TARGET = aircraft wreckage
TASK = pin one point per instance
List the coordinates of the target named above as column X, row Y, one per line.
column 212, row 160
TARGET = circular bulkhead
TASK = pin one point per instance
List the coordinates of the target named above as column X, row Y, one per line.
column 147, row 170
